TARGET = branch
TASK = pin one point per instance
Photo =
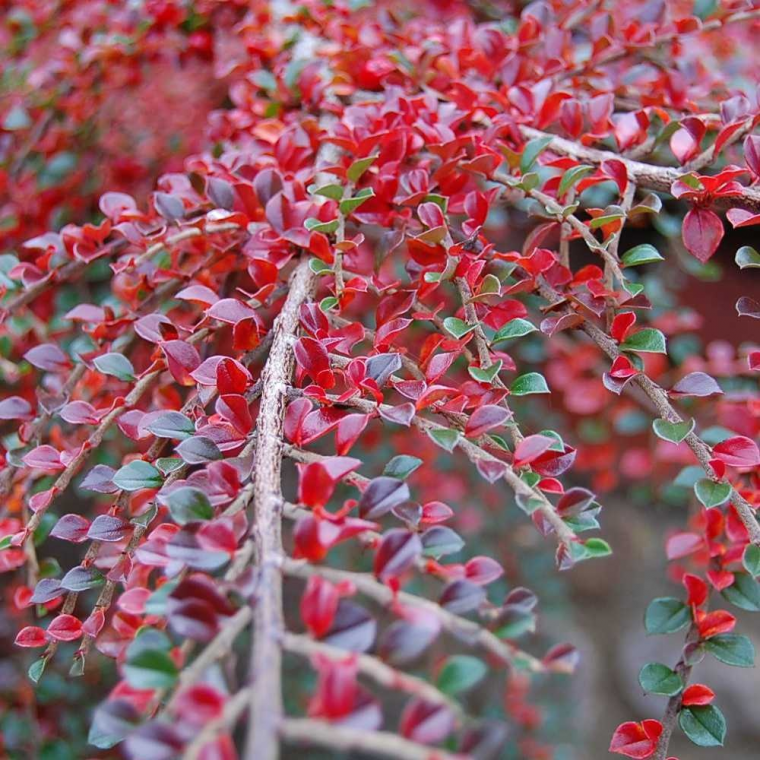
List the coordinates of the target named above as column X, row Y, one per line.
column 466, row 630
column 339, row 738
column 659, row 397
column 266, row 655
column 373, row 668
column 660, row 178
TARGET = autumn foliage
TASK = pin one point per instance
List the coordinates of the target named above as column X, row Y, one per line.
column 308, row 310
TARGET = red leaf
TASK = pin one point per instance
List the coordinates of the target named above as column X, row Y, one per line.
column 485, row 418
column 712, row 623
column 738, row 452
column 697, row 694
column 682, row 545
column 702, row 232
column 16, row 408
column 398, row 551
column 531, row 448
column 65, row 628
column 636, row 740
column 182, row 358
column 425, row 722
column 31, row 636
column 319, row 603
column 71, row 528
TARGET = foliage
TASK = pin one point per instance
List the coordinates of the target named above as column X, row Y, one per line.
column 401, row 231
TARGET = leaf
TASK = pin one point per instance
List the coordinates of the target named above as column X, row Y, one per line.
column 485, row 375
column 82, row 578
column 710, row 493
column 349, row 205
column 702, row 232
column 675, row 432
column 172, row 425
column 532, row 151
column 188, row 504
column 515, row 328
column 460, row 673
column 358, row 167
column 113, row 720
column 751, row 559
column 457, row 327
column 647, row 340
column 666, row 615
column 738, row 451
column 571, row 176
column 401, row 466
column 696, row 384
column 641, row 254
column 335, row 192
column 381, row 496
column 116, row 365
column 151, row 669
column 397, row 553
column 705, row 726
column 732, row 649
column 530, row 383
column 314, row 225
column 445, row 437
column 744, row 592
column 440, row 541
column 657, row 678
column 199, row 450
column 748, row 307
column 136, row 475
column 747, row 257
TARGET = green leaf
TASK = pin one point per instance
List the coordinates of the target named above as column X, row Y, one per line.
column 445, row 437
column 360, row 166
column 199, row 450
column 116, row 365
column 110, row 725
column 460, row 673
column 457, row 327
column 647, row 340
column 657, row 678
column 732, row 649
column 710, row 493
column 571, row 176
column 666, row 615
column 348, row 205
column 151, row 669
column 172, row 425
column 747, row 257
column 16, row 118
column 532, row 151
column 80, row 579
column 487, row 374
column 328, row 303
column 36, row 669
column 264, row 79
column 514, row 329
column 641, row 254
column 532, row 382
column 188, row 504
column 401, row 466
column 314, row 225
column 168, row 465
column 751, row 559
column 705, row 726
column 744, row 592
column 136, row 475
column 329, row 191
column 675, row 432
column 614, row 213
column 318, row 266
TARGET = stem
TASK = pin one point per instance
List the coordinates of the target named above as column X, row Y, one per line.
column 266, row 655
column 462, row 628
column 342, row 739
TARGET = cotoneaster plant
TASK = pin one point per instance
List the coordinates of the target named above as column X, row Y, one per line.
column 405, row 230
